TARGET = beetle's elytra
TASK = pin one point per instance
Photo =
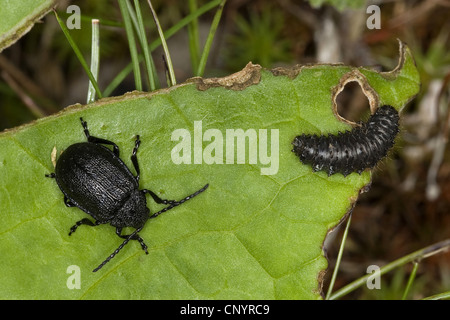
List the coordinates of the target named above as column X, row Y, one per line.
column 94, row 179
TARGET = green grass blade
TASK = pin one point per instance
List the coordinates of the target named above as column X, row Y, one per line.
column 184, row 22
column 172, row 79
column 416, row 255
column 95, row 58
column 79, row 55
column 145, row 48
column 193, row 34
column 209, row 40
column 412, row 276
column 157, row 42
column 339, row 257
column 132, row 44
column 439, row 296
column 138, row 23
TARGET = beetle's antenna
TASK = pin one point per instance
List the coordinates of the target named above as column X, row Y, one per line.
column 173, row 204
column 117, row 250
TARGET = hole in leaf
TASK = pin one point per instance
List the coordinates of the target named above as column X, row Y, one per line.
column 352, row 103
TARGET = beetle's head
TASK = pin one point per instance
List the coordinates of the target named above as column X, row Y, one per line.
column 134, row 212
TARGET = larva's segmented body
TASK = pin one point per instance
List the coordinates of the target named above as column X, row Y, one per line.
column 352, row 151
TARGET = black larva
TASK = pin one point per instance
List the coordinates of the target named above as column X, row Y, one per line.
column 352, row 151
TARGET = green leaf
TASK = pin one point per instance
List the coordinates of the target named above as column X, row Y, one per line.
column 18, row 17
column 248, row 236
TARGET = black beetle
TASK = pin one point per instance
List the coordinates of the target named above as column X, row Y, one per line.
column 94, row 179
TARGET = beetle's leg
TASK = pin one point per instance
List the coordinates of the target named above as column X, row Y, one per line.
column 82, row 221
column 68, row 203
column 98, row 140
column 177, row 203
column 134, row 158
column 50, row 175
column 158, row 199
column 134, row 237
